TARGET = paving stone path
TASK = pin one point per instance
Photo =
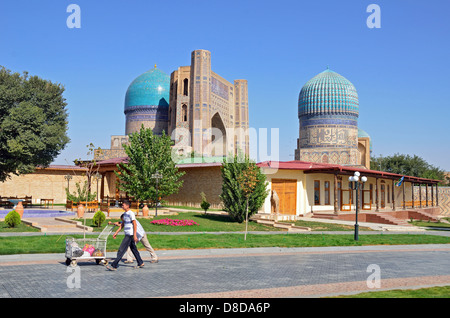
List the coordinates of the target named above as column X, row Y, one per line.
column 256, row 272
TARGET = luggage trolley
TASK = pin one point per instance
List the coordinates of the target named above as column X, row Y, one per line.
column 84, row 249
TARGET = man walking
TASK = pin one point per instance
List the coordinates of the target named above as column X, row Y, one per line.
column 142, row 236
column 129, row 226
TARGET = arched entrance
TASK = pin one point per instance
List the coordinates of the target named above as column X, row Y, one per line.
column 218, row 136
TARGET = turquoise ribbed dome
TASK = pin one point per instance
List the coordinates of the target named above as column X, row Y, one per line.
column 328, row 93
column 149, row 89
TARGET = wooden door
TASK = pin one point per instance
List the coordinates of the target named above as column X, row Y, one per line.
column 287, row 193
column 383, row 202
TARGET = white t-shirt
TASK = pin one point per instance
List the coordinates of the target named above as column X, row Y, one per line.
column 128, row 218
column 140, row 230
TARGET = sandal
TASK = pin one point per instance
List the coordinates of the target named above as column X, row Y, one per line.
column 111, row 268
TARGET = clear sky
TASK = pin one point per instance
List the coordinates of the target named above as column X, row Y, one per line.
column 401, row 70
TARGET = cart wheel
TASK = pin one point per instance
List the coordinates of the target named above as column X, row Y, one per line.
column 97, row 261
column 73, row 263
column 68, row 260
column 104, row 262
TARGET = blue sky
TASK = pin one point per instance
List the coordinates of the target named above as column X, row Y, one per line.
column 399, row 70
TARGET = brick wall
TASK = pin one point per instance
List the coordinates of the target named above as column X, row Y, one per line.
column 195, row 181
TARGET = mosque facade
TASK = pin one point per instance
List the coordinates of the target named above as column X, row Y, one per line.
column 202, row 112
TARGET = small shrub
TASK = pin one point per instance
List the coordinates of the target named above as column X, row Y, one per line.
column 205, row 204
column 12, row 219
column 98, row 218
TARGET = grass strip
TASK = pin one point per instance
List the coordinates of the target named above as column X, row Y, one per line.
column 430, row 292
column 56, row 243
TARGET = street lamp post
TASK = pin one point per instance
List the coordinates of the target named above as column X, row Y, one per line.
column 355, row 185
column 157, row 176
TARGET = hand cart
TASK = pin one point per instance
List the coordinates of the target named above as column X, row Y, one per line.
column 88, row 248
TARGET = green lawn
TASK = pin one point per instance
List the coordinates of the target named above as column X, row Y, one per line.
column 432, row 292
column 56, row 243
column 206, row 223
column 223, row 223
column 22, row 227
column 431, row 224
column 322, row 226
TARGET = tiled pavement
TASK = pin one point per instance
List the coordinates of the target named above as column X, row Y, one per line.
column 257, row 272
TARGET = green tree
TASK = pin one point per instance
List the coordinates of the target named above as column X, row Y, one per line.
column 236, row 172
column 81, row 194
column 33, row 122
column 205, row 204
column 98, row 218
column 12, row 219
column 148, row 154
column 408, row 165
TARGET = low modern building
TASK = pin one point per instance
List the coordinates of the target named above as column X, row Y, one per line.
column 306, row 188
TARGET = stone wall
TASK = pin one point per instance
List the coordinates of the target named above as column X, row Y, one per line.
column 46, row 183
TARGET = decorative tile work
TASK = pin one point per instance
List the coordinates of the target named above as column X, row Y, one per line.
column 147, row 101
column 219, row 88
column 328, row 93
column 150, row 88
column 444, row 197
column 332, row 136
column 328, row 111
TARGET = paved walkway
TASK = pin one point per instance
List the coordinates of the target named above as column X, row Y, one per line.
column 252, row 272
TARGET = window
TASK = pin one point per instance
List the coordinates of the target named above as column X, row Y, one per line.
column 327, row 192
column 316, row 192
column 184, row 113
column 185, row 87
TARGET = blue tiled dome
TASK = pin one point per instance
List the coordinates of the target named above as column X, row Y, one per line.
column 328, row 93
column 149, row 89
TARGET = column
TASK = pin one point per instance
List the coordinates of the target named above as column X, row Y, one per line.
column 102, row 187
column 200, row 118
column 437, row 195
column 432, row 195
column 426, row 195
column 420, row 195
column 393, row 195
column 376, row 195
column 336, row 208
column 412, row 194
column 404, row 199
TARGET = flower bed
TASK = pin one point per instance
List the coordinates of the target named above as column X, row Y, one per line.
column 174, row 222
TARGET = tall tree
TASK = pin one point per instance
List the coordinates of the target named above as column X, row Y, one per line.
column 408, row 165
column 33, row 122
column 148, row 154
column 237, row 176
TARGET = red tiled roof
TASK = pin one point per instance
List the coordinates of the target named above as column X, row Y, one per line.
column 113, row 161
column 62, row 167
column 313, row 167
